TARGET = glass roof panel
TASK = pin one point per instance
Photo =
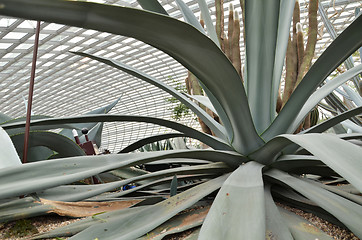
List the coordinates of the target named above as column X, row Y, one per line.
column 67, row 84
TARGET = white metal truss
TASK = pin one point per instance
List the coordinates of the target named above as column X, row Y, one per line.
column 68, row 85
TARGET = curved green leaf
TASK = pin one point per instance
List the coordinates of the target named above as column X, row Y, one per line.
column 140, row 143
column 179, row 223
column 153, row 6
column 285, row 18
column 293, row 198
column 39, row 153
column 353, row 197
column 261, row 32
column 56, row 142
column 8, row 155
column 150, row 183
column 289, row 162
column 68, row 132
column 342, row 47
column 239, row 205
column 174, row 185
column 215, row 168
column 211, row 141
column 349, row 213
column 302, row 229
column 321, row 93
column 208, row 21
column 189, row 16
column 321, row 127
column 215, row 126
column 34, row 117
column 76, row 227
column 95, row 134
column 204, row 100
column 319, row 145
column 52, row 173
column 4, row 118
column 275, row 226
column 145, row 220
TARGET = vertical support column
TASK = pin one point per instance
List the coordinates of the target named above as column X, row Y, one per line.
column 31, row 90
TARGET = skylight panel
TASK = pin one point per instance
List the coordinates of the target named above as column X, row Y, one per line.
column 47, row 55
column 14, row 35
column 5, row 45
column 61, row 56
column 6, row 22
column 41, row 36
column 11, row 55
column 76, row 39
column 28, row 24
column 90, row 41
column 53, row 26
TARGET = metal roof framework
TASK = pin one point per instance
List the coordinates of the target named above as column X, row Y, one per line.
column 67, row 84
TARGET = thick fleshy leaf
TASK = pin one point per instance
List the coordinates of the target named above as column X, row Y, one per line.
column 80, row 225
column 211, row 141
column 288, row 162
column 16, row 180
column 95, row 135
column 8, row 155
column 333, row 34
column 261, row 32
column 275, row 226
column 173, row 187
column 353, row 197
column 321, row 93
column 30, row 208
column 349, row 154
column 193, row 50
column 215, row 126
column 34, row 117
column 145, row 220
column 56, row 142
column 179, row 223
column 68, row 132
column 208, row 21
column 204, row 100
column 348, row 124
column 301, row 164
column 22, row 208
column 39, row 153
column 140, row 143
column 342, row 47
column 189, row 16
column 151, row 183
column 216, row 168
column 292, row 198
column 302, row 229
column 153, row 6
column 285, row 18
column 355, row 97
column 349, row 213
column 239, row 205
column 4, row 118
column 319, row 145
column 323, row 126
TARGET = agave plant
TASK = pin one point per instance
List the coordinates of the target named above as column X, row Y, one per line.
column 255, row 158
column 46, row 144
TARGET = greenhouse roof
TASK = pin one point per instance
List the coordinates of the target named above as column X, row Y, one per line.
column 68, row 85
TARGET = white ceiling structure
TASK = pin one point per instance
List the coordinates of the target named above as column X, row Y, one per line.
column 68, row 85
